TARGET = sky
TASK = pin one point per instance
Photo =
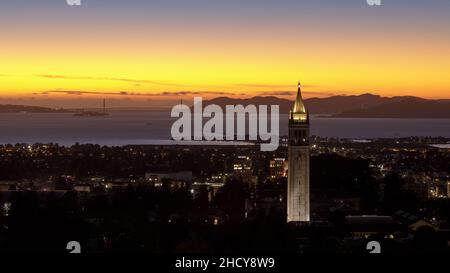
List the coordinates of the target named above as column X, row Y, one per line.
column 141, row 53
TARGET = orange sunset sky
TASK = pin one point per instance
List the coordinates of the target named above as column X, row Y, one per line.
column 136, row 52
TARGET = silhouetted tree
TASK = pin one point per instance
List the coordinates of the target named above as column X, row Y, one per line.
column 231, row 198
column 397, row 196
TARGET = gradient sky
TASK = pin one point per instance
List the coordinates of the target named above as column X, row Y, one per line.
column 137, row 52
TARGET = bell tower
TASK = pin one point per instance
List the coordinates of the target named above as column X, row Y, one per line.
column 298, row 156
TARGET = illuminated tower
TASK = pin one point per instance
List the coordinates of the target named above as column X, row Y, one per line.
column 298, row 153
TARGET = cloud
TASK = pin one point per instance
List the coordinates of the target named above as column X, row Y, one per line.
column 293, row 93
column 278, row 93
column 61, row 77
column 137, row 82
column 125, row 93
column 182, row 93
column 78, row 93
column 186, row 93
column 273, row 86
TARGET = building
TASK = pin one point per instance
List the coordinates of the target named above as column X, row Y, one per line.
column 278, row 168
column 242, row 169
column 85, row 188
column 174, row 179
column 8, row 186
column 448, row 189
column 298, row 156
column 242, row 166
column 364, row 226
column 184, row 175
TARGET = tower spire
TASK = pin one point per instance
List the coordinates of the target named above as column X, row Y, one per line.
column 299, row 106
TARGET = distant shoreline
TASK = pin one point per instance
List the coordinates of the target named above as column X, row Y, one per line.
column 435, row 141
column 43, row 110
column 376, row 117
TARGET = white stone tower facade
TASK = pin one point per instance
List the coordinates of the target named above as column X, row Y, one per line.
column 298, row 155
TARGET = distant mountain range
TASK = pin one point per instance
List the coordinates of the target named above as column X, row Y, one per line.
column 360, row 106
column 9, row 108
column 406, row 108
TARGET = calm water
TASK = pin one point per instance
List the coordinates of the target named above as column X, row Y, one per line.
column 149, row 127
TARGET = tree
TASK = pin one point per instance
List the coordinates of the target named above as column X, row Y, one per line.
column 231, row 198
column 397, row 196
